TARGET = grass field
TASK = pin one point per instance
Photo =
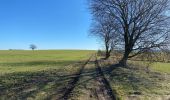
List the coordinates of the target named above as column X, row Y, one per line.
column 161, row 67
column 37, row 74
column 135, row 83
column 156, row 66
column 20, row 61
column 47, row 74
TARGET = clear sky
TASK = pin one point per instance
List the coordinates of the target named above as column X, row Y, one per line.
column 49, row 24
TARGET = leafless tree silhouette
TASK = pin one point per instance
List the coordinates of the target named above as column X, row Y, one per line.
column 140, row 24
column 102, row 29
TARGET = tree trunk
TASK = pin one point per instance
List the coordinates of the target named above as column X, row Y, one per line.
column 123, row 61
column 107, row 55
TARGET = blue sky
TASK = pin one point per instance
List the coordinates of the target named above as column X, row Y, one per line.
column 49, row 24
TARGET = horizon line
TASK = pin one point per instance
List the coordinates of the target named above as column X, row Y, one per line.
column 44, row 49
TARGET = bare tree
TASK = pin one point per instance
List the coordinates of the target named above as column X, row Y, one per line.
column 33, row 47
column 103, row 30
column 142, row 24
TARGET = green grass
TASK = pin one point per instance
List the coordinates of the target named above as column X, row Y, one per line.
column 20, row 61
column 38, row 75
column 156, row 66
column 44, row 75
column 161, row 67
column 135, row 83
column 131, row 81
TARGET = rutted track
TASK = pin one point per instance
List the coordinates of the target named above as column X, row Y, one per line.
column 101, row 89
column 93, row 85
column 107, row 92
column 73, row 83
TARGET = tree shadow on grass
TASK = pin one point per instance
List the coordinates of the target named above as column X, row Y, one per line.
column 53, row 84
column 47, row 84
column 135, row 81
column 36, row 63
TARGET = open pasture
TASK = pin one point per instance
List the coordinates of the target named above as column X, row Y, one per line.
column 38, row 74
column 20, row 61
column 155, row 66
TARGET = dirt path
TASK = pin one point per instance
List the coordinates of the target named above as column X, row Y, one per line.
column 92, row 85
column 69, row 89
column 104, row 90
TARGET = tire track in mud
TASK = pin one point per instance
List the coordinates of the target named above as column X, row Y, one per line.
column 73, row 83
column 104, row 91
